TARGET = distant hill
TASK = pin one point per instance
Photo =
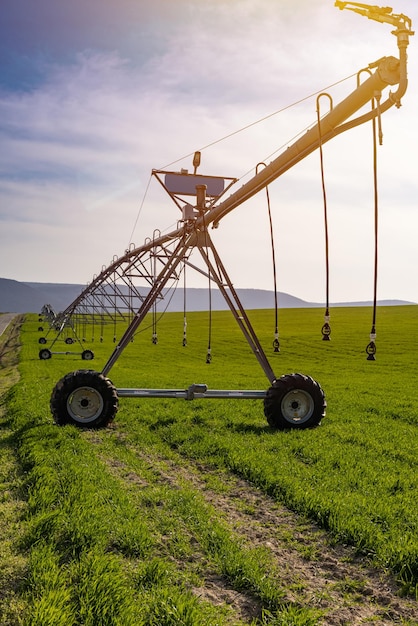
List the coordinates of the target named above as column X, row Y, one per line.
column 16, row 297
column 19, row 297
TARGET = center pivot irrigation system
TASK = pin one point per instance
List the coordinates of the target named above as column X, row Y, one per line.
column 133, row 284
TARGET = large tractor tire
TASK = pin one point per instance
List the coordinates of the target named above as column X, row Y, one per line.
column 294, row 401
column 84, row 398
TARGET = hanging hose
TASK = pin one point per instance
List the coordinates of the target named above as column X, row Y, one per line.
column 371, row 346
column 326, row 328
column 154, row 306
column 276, row 342
column 209, row 351
column 184, row 307
column 201, row 206
column 115, row 307
column 154, row 324
column 84, row 324
column 131, row 302
column 93, row 320
column 102, row 322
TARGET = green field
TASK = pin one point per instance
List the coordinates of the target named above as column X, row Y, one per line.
column 198, row 512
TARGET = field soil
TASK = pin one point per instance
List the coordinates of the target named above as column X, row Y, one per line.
column 5, row 320
column 315, row 571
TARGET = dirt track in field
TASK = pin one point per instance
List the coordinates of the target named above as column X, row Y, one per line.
column 5, row 319
column 315, row 573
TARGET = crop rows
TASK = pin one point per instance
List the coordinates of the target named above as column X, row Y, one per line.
column 200, row 513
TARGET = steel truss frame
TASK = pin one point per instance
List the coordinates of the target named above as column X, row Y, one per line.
column 158, row 262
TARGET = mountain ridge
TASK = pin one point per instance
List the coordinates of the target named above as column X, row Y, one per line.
column 30, row 297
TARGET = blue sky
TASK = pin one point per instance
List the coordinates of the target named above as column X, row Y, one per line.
column 94, row 95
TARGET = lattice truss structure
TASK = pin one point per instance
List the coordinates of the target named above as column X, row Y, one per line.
column 139, row 281
column 145, row 277
column 131, row 285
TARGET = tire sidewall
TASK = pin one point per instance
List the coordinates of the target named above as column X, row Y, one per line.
column 284, row 385
column 77, row 380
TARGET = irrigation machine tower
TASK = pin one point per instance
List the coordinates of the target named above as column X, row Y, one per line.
column 87, row 397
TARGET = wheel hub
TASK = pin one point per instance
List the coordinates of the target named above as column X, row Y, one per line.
column 85, row 404
column 297, row 406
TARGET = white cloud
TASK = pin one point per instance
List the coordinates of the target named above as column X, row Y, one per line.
column 78, row 151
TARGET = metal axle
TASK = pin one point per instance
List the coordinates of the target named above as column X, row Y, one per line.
column 194, row 392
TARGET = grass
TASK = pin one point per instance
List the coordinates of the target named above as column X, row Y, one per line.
column 13, row 562
column 115, row 536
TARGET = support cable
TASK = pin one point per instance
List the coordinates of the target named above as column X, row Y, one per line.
column 259, row 121
column 371, row 347
column 140, row 210
column 326, row 328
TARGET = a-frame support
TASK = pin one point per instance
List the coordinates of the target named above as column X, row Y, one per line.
column 200, row 240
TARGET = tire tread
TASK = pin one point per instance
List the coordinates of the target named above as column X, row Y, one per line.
column 81, row 378
column 283, row 385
